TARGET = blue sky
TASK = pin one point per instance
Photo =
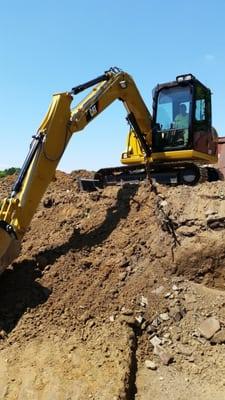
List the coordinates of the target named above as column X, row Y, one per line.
column 50, row 46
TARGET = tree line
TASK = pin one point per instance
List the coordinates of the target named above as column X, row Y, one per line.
column 9, row 171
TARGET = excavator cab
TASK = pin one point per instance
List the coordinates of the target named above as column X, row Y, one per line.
column 183, row 141
column 182, row 118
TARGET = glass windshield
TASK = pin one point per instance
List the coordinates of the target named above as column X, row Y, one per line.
column 172, row 119
column 173, row 108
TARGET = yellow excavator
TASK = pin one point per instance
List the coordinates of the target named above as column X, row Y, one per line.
column 163, row 142
column 181, row 145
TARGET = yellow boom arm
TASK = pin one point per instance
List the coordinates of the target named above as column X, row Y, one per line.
column 49, row 143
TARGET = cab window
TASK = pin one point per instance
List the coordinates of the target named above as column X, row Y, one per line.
column 168, row 106
column 200, row 114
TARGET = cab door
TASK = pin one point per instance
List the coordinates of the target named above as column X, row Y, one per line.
column 203, row 138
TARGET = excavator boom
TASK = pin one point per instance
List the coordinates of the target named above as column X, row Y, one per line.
column 50, row 142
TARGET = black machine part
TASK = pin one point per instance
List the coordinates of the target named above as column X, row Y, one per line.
column 177, row 173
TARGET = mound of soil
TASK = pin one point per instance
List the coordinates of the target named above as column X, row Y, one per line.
column 110, row 280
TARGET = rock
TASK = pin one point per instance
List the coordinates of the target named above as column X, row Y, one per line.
column 158, row 290
column 156, row 322
column 161, row 195
column 3, row 334
column 201, row 340
column 126, row 311
column 185, row 350
column 143, row 301
column 177, row 313
column 129, row 320
column 164, row 356
column 155, row 341
column 188, row 231
column 178, row 279
column 190, row 359
column 48, row 202
column 219, row 337
column 166, row 341
column 177, row 337
column 139, row 320
column 214, row 224
column 92, row 323
column 190, row 222
column 177, row 316
column 184, row 339
column 164, row 316
column 123, row 263
column 86, row 265
column 85, row 317
column 151, row 329
column 144, row 325
column 210, row 212
column 122, row 276
column 163, row 204
column 150, row 365
column 209, row 327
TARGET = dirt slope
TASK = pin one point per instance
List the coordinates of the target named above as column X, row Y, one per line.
column 99, row 277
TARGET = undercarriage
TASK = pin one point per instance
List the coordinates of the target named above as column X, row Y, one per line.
column 177, row 173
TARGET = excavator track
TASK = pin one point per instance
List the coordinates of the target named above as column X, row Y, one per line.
column 214, row 174
column 179, row 173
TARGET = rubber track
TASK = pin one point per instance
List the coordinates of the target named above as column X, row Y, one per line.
column 127, row 174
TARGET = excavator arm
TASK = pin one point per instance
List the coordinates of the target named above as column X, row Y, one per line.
column 48, row 145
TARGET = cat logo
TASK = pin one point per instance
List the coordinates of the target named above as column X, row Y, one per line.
column 92, row 111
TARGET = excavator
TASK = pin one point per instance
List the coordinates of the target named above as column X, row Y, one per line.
column 181, row 145
column 166, row 143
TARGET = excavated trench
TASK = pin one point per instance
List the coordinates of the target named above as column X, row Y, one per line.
column 207, row 270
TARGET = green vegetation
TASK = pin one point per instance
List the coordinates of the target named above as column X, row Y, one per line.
column 9, row 171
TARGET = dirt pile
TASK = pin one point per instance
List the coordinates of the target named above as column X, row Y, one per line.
column 119, row 277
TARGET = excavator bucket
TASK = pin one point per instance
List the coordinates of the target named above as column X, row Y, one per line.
column 9, row 249
column 89, row 185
